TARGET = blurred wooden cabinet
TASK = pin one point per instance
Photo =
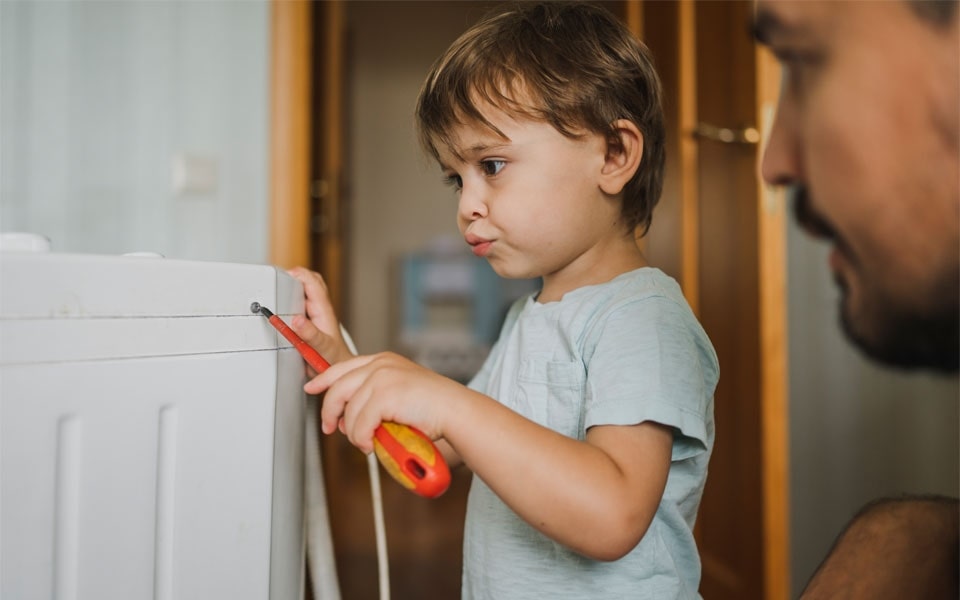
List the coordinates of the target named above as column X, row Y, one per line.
column 717, row 230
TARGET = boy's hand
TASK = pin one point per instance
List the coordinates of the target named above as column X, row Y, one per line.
column 322, row 330
column 365, row 391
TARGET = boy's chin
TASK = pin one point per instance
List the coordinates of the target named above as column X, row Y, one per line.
column 507, row 271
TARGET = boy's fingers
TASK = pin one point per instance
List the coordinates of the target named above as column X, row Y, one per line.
column 312, row 282
column 318, row 340
column 335, row 372
column 317, row 296
column 307, row 330
column 334, row 403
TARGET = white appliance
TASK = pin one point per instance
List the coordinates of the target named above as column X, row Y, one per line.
column 151, row 431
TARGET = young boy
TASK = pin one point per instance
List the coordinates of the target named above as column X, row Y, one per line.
column 590, row 425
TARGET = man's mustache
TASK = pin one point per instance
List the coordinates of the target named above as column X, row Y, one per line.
column 806, row 216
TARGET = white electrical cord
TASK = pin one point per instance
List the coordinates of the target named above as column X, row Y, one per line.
column 380, row 530
column 319, row 541
column 383, row 565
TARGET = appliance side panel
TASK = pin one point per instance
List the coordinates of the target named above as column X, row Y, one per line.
column 224, row 479
column 287, row 540
column 161, row 468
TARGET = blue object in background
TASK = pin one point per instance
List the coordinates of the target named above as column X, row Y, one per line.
column 429, row 278
column 438, row 278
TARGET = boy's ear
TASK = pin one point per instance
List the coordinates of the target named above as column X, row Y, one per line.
column 623, row 157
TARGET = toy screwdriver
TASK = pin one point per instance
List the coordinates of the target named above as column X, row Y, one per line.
column 405, row 452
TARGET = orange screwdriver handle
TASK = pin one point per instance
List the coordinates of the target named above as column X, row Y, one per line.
column 412, row 459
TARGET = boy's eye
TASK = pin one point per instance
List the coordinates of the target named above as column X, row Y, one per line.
column 454, row 180
column 492, row 166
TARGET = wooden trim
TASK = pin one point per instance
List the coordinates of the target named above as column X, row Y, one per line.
column 290, row 63
column 634, row 16
column 689, row 162
column 329, row 256
column 772, row 265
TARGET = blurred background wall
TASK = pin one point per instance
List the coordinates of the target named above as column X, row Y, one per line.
column 136, row 126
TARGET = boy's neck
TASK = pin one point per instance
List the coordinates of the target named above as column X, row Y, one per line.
column 593, row 269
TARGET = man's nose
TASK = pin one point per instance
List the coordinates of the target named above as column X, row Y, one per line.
column 780, row 164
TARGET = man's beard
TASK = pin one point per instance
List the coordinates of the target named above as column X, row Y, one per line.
column 909, row 340
column 902, row 337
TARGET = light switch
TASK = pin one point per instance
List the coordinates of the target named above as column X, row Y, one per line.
column 194, row 174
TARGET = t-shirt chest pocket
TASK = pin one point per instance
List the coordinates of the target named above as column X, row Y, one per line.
column 553, row 391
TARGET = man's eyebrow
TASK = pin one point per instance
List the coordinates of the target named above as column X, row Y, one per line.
column 767, row 25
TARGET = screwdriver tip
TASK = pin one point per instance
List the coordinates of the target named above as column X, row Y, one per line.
column 258, row 308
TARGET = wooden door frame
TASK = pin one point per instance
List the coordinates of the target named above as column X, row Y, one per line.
column 774, row 366
column 306, row 141
column 291, row 51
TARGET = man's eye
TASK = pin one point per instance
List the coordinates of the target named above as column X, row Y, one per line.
column 798, row 66
column 794, row 77
column 492, row 167
column 454, row 181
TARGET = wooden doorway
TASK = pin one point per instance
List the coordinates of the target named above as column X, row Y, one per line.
column 717, row 231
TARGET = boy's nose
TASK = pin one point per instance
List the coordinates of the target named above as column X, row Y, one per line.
column 472, row 205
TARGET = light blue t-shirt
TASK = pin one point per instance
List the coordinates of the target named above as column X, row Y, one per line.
column 619, row 353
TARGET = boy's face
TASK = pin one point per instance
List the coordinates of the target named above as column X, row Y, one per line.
column 867, row 129
column 531, row 204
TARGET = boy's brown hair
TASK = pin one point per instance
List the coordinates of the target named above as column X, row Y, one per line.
column 575, row 66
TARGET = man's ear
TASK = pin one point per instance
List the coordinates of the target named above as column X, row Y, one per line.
column 623, row 157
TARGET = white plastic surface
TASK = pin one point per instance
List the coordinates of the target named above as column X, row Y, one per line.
column 17, row 241
column 151, row 431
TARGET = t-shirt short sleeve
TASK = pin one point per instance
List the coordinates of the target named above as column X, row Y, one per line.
column 651, row 361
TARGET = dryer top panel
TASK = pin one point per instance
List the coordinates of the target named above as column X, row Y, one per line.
column 81, row 286
column 72, row 307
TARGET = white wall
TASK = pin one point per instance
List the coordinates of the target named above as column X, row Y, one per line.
column 857, row 431
column 96, row 100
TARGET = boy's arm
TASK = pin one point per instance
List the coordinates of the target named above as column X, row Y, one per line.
column 597, row 497
column 449, row 454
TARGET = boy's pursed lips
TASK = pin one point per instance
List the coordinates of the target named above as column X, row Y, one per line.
column 478, row 245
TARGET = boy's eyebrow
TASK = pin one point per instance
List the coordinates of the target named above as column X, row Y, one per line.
column 467, row 153
column 480, row 148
